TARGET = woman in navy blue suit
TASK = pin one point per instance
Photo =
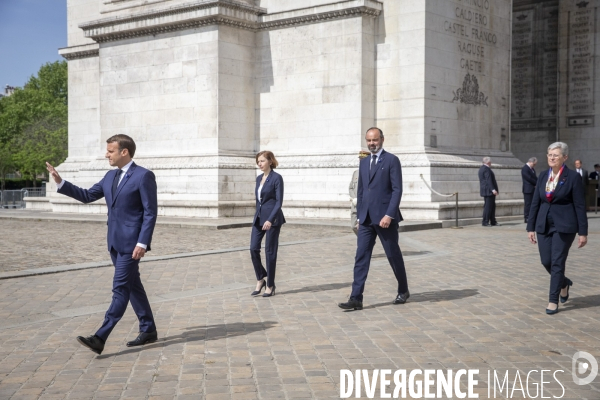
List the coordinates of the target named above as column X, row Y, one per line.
column 557, row 214
column 267, row 219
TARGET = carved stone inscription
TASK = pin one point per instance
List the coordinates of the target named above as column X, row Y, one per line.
column 534, row 97
column 522, row 64
column 580, row 95
column 550, row 63
column 474, row 41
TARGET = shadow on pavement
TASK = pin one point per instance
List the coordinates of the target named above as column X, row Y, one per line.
column 319, row 288
column 442, row 295
column 196, row 333
column 578, row 303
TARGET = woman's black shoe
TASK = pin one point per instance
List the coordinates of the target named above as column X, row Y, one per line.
column 565, row 298
column 550, row 312
column 257, row 292
column 265, row 294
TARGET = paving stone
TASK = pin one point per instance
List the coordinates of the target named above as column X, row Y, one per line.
column 477, row 301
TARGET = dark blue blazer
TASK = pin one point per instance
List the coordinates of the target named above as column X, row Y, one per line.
column 567, row 207
column 269, row 209
column 132, row 210
column 529, row 179
column 379, row 194
column 487, row 181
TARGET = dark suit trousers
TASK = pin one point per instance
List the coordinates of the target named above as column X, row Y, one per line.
column 367, row 234
column 127, row 286
column 271, row 246
column 489, row 210
column 528, row 197
column 554, row 249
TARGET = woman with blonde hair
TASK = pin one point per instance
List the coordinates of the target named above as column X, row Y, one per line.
column 268, row 220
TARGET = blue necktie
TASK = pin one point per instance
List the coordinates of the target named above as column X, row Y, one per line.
column 373, row 165
column 116, row 182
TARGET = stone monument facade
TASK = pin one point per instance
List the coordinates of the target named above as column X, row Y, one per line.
column 554, row 78
column 202, row 85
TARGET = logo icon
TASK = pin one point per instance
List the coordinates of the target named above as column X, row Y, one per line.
column 583, row 363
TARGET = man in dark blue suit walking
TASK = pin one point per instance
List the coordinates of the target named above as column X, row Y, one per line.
column 529, row 181
column 488, row 189
column 378, row 200
column 131, row 198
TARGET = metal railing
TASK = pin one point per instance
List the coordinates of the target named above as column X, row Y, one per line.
column 12, row 199
column 445, row 195
column 34, row 192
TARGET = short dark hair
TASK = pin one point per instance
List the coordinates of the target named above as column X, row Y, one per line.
column 124, row 141
column 374, row 127
column 596, row 165
column 269, row 156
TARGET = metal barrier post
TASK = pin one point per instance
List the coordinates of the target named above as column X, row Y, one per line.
column 456, row 209
column 445, row 195
column 596, row 205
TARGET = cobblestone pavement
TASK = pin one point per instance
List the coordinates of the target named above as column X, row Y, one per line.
column 29, row 244
column 477, row 301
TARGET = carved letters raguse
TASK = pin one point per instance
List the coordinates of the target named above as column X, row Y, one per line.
column 472, row 28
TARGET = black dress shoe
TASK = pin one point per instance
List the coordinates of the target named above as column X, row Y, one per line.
column 495, row 224
column 483, row 224
column 569, row 284
column 143, row 338
column 94, row 343
column 402, row 297
column 265, row 294
column 351, row 304
column 257, row 292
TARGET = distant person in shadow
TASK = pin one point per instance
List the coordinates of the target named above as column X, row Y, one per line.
column 529, row 178
column 268, row 220
column 557, row 214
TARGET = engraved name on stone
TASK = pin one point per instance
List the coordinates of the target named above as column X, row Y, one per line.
column 522, row 64
column 550, row 63
column 473, row 31
column 580, row 95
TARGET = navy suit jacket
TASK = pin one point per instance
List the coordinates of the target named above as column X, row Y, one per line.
column 132, row 210
column 567, row 207
column 487, row 181
column 272, row 199
column 529, row 179
column 379, row 193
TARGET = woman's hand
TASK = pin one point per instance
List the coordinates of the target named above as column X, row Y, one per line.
column 582, row 241
column 532, row 237
column 266, row 226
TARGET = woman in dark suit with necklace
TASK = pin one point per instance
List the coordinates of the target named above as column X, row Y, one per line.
column 268, row 220
column 557, row 214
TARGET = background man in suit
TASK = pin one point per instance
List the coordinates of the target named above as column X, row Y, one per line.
column 131, row 199
column 596, row 175
column 529, row 180
column 488, row 189
column 584, row 175
column 378, row 200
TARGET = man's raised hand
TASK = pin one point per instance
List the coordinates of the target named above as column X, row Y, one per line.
column 53, row 173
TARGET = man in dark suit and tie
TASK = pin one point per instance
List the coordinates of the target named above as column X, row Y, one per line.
column 488, row 189
column 378, row 200
column 131, row 198
column 584, row 175
column 529, row 181
column 596, row 176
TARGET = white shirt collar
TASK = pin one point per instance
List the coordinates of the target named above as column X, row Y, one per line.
column 378, row 154
column 126, row 167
